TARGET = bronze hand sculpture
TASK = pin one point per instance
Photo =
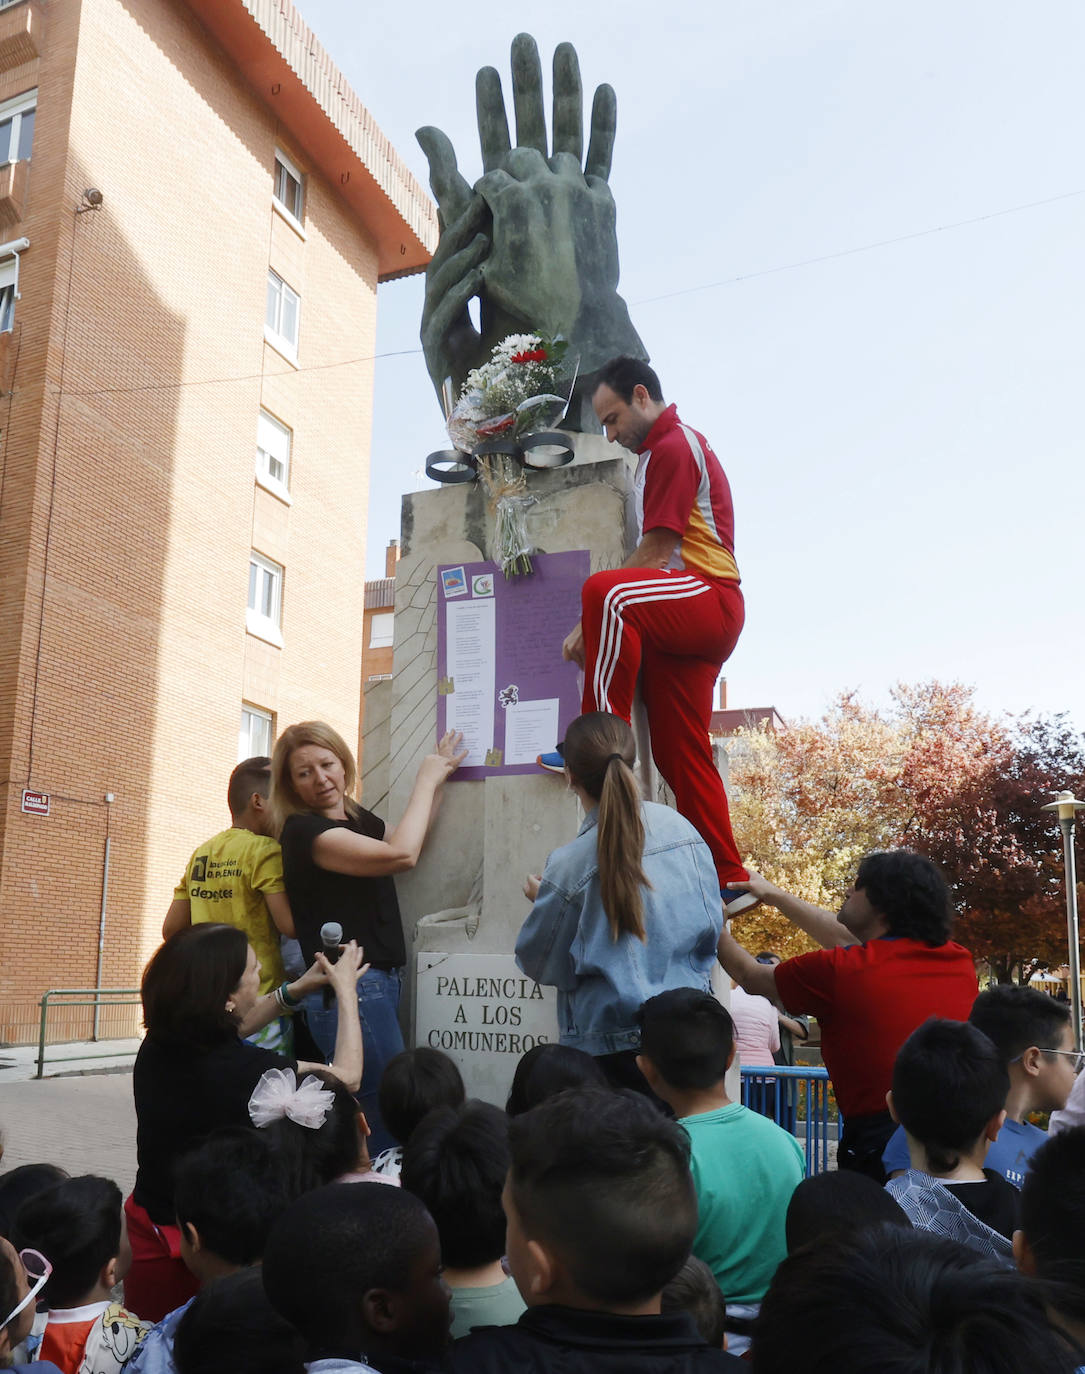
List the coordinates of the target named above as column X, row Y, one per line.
column 535, row 238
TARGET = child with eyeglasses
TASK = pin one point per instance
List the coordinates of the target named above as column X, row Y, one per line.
column 1033, row 1034
column 76, row 1229
column 22, row 1278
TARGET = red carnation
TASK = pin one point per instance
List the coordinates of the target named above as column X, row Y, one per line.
column 488, row 428
column 531, row 355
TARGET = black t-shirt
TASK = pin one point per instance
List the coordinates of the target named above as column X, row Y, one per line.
column 366, row 908
column 183, row 1094
column 995, row 1201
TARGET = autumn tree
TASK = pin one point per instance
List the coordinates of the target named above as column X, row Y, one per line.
column 1002, row 854
column 806, row 804
column 932, row 772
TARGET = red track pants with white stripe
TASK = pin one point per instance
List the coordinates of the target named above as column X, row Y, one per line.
column 677, row 630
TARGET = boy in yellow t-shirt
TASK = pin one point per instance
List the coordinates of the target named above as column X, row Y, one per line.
column 237, row 877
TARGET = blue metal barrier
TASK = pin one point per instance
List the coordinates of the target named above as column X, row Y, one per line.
column 796, row 1098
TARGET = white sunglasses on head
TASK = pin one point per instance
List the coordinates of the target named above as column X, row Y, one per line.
column 36, row 1266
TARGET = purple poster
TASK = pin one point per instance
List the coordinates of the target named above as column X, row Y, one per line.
column 500, row 675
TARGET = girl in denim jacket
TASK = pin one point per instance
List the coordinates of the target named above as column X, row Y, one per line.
column 629, row 909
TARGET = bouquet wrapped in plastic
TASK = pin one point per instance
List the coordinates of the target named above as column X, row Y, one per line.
column 501, row 422
column 512, row 394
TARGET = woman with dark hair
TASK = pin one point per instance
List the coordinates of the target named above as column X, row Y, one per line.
column 630, row 908
column 338, row 865
column 194, row 1073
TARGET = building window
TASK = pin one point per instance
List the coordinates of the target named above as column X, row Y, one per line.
column 380, row 630
column 9, row 279
column 17, row 127
column 287, row 187
column 256, row 733
column 263, row 617
column 283, row 310
column 272, row 454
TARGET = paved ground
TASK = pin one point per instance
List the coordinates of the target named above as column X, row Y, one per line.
column 86, row 1124
column 20, row 1062
column 83, row 1119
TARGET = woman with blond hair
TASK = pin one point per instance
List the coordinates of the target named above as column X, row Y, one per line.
column 630, row 908
column 338, row 865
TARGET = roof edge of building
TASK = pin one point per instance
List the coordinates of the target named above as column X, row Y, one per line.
column 405, row 227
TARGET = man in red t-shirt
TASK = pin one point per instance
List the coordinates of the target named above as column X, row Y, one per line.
column 886, row 964
column 673, row 610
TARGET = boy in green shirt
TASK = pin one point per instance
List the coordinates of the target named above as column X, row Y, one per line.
column 745, row 1167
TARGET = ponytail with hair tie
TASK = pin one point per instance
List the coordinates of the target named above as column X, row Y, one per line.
column 588, row 750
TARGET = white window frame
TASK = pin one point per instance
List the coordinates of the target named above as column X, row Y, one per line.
column 269, row 430
column 282, row 343
column 9, row 292
column 387, row 621
column 13, row 110
column 292, row 169
column 254, row 716
column 266, row 627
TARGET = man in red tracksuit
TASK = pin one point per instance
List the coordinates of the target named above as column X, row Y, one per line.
column 673, row 611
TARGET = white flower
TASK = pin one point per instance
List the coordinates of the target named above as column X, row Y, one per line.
column 518, row 343
column 499, row 387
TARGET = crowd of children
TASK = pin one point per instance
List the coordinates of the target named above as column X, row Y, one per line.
column 585, row 1228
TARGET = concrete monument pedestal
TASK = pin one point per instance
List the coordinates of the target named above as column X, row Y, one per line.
column 463, row 904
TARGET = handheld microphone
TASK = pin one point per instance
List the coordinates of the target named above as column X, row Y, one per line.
column 331, row 937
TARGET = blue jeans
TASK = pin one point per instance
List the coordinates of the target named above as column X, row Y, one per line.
column 382, row 1039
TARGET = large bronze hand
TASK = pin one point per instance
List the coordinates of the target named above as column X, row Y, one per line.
column 451, row 343
column 535, row 238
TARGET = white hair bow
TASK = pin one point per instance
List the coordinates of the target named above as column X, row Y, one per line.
column 277, row 1095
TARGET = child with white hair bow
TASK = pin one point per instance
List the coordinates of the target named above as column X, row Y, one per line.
column 315, row 1128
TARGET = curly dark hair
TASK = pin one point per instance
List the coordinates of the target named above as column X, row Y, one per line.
column 910, row 892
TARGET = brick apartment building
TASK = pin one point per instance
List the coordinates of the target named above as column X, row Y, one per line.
column 185, row 398
column 380, row 601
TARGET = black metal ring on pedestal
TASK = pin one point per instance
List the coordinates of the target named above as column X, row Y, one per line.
column 498, row 448
column 548, row 448
column 451, row 465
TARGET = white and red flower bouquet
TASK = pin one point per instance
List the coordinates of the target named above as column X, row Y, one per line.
column 513, row 394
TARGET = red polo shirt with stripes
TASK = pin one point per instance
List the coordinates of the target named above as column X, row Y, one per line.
column 680, row 486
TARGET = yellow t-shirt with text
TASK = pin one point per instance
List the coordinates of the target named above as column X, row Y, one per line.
column 226, row 880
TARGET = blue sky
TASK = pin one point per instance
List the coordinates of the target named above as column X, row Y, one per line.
column 902, row 427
